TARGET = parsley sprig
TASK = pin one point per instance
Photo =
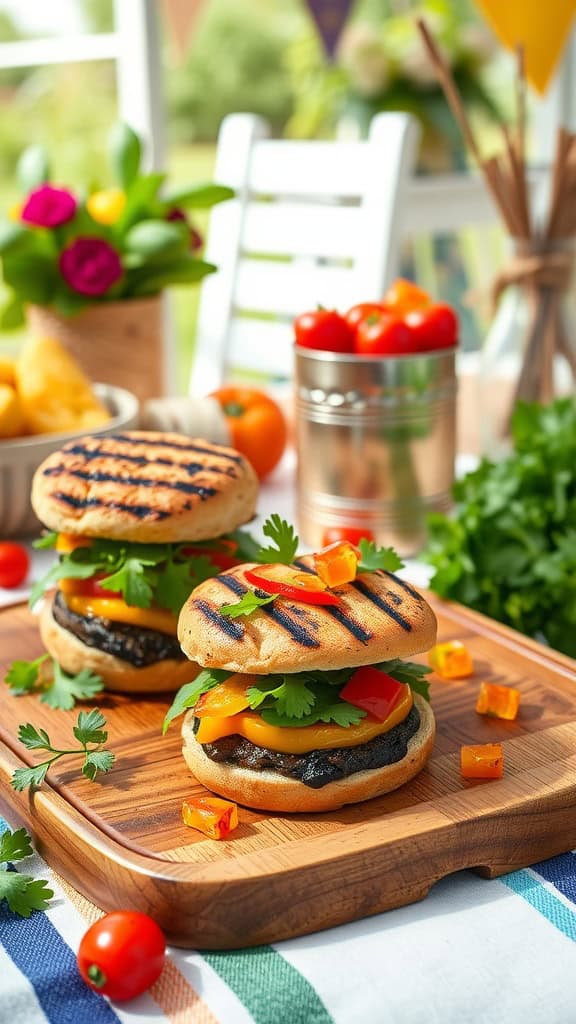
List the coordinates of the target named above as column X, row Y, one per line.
column 90, row 734
column 55, row 687
column 284, row 541
column 23, row 893
column 374, row 558
column 300, row 698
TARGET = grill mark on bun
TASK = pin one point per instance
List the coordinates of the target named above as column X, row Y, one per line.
column 101, row 476
column 382, row 604
column 353, row 627
column 405, row 586
column 297, row 631
column 235, row 630
column 155, row 443
column 140, row 460
column 139, row 511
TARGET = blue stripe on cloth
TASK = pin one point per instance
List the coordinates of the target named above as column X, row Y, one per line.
column 561, row 872
column 524, row 884
column 40, row 953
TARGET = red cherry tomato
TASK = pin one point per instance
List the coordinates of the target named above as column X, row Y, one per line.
column 404, row 295
column 433, row 328
column 324, row 329
column 354, row 534
column 382, row 334
column 122, row 954
column 14, row 564
column 361, row 311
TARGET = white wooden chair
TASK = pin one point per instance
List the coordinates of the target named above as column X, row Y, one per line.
column 312, row 223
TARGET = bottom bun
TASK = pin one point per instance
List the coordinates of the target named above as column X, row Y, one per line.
column 269, row 791
column 120, row 676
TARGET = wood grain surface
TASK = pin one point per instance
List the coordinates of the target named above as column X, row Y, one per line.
column 121, row 842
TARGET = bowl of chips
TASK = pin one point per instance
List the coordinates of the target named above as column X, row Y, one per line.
column 46, row 400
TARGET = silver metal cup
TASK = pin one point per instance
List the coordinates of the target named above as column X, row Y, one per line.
column 376, row 441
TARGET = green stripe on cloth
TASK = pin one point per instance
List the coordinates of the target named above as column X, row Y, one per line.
column 271, row 989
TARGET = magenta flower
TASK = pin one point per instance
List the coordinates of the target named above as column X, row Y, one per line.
column 90, row 266
column 48, row 207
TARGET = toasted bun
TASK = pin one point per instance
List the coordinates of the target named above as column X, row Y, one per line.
column 144, row 486
column 118, row 675
column 270, row 791
column 381, row 618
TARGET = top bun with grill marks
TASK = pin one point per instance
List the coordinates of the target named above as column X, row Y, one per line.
column 144, row 486
column 380, row 617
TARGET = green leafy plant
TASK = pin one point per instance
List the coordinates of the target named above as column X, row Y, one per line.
column 89, row 732
column 509, row 549
column 68, row 249
column 23, row 893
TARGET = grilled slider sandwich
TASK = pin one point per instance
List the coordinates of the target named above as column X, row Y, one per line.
column 139, row 519
column 306, row 701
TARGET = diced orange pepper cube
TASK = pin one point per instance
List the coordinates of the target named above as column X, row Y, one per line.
column 337, row 563
column 484, row 761
column 498, row 701
column 451, row 660
column 66, row 542
column 226, row 699
column 215, row 817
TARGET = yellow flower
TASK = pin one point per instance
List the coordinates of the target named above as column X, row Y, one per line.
column 15, row 212
column 106, row 206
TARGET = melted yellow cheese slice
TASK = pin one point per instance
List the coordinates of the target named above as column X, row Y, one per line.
column 117, row 610
column 301, row 739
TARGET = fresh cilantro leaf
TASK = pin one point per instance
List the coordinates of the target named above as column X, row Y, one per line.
column 189, row 693
column 293, row 698
column 88, row 730
column 47, row 540
column 377, row 558
column 342, row 713
column 135, row 582
column 89, row 727
column 22, row 778
column 33, row 738
column 247, row 604
column 22, row 676
column 24, row 893
column 283, row 537
column 55, row 687
column 97, row 761
column 408, row 672
column 15, row 845
column 177, row 579
column 65, row 689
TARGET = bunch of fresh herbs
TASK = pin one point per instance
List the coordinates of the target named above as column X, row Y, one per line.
column 509, row 549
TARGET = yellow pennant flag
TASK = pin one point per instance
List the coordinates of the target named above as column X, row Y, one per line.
column 541, row 26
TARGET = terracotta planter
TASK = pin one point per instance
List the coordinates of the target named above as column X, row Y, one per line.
column 119, row 343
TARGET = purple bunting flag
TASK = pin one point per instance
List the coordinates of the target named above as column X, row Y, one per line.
column 330, row 17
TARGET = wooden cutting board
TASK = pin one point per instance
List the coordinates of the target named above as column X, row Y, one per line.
column 121, row 841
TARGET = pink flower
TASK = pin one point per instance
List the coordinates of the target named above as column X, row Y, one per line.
column 48, row 207
column 90, row 266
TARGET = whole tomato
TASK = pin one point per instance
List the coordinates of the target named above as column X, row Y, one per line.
column 257, row 426
column 353, row 534
column 324, row 329
column 433, row 328
column 361, row 311
column 382, row 334
column 122, row 954
column 404, row 295
column 14, row 564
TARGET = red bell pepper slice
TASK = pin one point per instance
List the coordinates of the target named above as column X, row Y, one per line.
column 295, row 593
column 373, row 691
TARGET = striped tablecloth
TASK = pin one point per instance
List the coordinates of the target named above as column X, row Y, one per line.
column 473, row 952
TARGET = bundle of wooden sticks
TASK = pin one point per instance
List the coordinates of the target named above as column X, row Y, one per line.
column 544, row 251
